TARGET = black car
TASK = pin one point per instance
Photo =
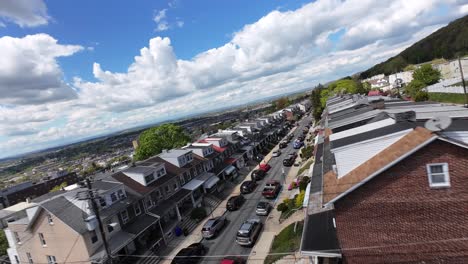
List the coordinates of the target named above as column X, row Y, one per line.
column 258, row 175
column 300, row 138
column 235, row 202
column 283, row 144
column 247, row 187
column 289, row 161
column 191, row 254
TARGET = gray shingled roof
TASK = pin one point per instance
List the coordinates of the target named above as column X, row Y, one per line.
column 67, row 212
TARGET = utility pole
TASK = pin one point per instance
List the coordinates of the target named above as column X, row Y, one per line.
column 98, row 217
column 463, row 81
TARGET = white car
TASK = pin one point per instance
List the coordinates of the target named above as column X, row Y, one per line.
column 276, row 153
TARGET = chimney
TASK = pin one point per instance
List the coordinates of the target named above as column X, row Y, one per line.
column 28, row 200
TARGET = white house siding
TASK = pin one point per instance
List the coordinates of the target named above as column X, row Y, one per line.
column 458, row 135
column 350, row 157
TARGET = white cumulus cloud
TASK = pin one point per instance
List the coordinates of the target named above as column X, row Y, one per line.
column 25, row 13
column 283, row 51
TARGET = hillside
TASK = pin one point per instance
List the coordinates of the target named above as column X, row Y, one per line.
column 448, row 43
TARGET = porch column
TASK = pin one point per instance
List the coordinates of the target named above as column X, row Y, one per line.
column 193, row 200
column 179, row 217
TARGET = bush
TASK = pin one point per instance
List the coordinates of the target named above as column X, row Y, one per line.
column 198, row 214
column 303, row 183
column 299, row 199
column 282, row 207
column 421, row 96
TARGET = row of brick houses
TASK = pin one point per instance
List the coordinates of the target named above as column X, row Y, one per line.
column 141, row 205
column 384, row 187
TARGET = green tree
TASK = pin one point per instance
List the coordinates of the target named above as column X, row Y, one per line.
column 152, row 141
column 3, row 243
column 426, row 74
column 414, row 87
column 282, row 103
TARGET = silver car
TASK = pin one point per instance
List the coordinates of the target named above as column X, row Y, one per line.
column 263, row 208
column 249, row 232
column 213, row 226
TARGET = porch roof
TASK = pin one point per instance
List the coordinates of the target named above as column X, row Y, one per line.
column 141, row 224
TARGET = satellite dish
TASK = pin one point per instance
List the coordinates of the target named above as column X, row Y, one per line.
column 438, row 123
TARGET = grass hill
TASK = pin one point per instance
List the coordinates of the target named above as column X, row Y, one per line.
column 448, row 43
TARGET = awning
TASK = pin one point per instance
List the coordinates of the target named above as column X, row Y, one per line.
column 193, row 184
column 229, row 169
column 210, row 182
column 142, row 223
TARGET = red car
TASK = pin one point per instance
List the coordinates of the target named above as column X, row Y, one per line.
column 264, row 167
column 233, row 260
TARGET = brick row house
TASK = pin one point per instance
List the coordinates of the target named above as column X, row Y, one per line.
column 385, row 189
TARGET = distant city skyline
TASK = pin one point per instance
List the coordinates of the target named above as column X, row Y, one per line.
column 72, row 70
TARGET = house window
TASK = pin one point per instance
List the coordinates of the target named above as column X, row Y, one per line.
column 124, row 215
column 113, row 197
column 94, row 237
column 167, row 189
column 102, row 202
column 182, row 180
column 17, row 238
column 149, row 202
column 43, row 242
column 121, row 194
column 110, row 228
column 51, row 260
column 49, row 219
column 17, row 259
column 438, row 175
column 137, row 208
column 149, row 178
column 158, row 194
column 175, row 186
column 30, row 260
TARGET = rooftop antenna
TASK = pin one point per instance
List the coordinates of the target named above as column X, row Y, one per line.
column 438, row 123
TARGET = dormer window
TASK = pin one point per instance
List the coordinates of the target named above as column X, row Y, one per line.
column 438, row 175
column 121, row 194
column 113, row 197
column 149, row 178
column 49, row 219
column 189, row 157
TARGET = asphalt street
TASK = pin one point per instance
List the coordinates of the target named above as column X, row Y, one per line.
column 224, row 244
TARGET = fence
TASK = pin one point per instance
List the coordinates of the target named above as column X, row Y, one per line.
column 445, row 86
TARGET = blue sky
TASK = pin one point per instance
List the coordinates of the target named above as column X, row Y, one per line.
column 75, row 69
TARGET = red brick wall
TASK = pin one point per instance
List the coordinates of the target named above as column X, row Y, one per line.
column 398, row 218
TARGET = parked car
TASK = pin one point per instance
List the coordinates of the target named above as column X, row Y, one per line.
column 263, row 208
column 258, row 175
column 191, row 254
column 264, row 166
column 233, row 260
column 235, row 202
column 271, row 189
column 288, row 161
column 248, row 187
column 283, row 144
column 213, row 226
column 276, row 153
column 249, row 232
column 291, row 136
column 293, row 154
column 298, row 144
column 300, row 138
